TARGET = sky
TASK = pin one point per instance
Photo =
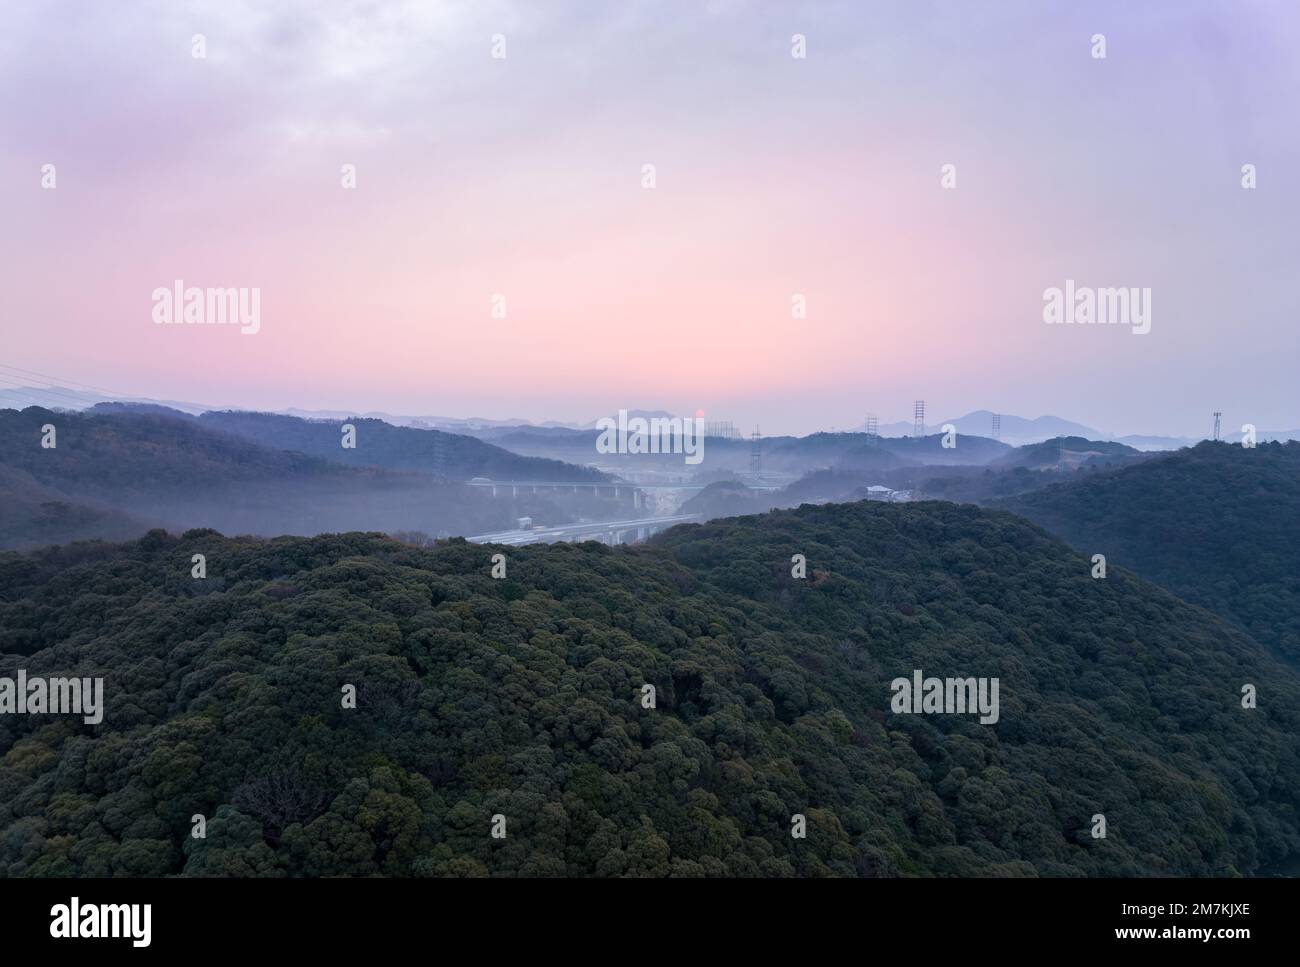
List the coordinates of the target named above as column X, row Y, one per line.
column 523, row 177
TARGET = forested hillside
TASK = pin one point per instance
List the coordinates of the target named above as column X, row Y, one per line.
column 115, row 474
column 1070, row 452
column 380, row 444
column 122, row 456
column 34, row 515
column 1218, row 524
column 728, row 498
column 521, row 698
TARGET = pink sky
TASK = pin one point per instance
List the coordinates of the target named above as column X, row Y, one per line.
column 775, row 176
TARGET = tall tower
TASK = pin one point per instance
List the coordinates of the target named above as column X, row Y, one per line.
column 997, row 426
column 1217, row 415
column 873, row 430
column 756, row 453
column 439, row 454
column 918, row 414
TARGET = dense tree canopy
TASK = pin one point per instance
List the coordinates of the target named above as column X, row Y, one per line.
column 522, row 698
column 1217, row 524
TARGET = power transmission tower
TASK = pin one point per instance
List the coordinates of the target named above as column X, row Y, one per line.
column 439, row 455
column 997, row 426
column 873, row 430
column 918, row 413
column 1217, row 415
column 756, row 453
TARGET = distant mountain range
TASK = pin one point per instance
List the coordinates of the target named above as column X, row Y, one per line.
column 380, row 444
column 1015, row 430
column 117, row 470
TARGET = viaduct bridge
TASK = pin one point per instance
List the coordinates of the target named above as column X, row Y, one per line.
column 606, row 531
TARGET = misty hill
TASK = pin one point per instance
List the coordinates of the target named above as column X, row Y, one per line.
column 127, row 454
column 1015, row 429
column 1217, row 524
column 851, row 451
column 728, row 498
column 125, row 408
column 120, row 472
column 967, row 485
column 523, row 697
column 1146, row 442
column 64, row 398
column 1072, row 451
column 957, row 483
column 929, row 450
column 781, row 454
column 1018, row 429
column 871, row 456
column 731, row 498
column 511, row 437
column 34, row 515
column 831, row 484
column 380, row 444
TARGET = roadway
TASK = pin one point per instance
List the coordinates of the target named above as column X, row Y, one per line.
column 594, row 484
column 595, row 530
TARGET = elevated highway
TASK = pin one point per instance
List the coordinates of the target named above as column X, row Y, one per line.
column 606, row 531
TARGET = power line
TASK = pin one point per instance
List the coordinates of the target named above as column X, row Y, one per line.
column 36, row 393
column 71, row 383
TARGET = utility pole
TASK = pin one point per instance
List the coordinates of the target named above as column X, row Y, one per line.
column 1217, row 415
column 918, row 414
column 756, row 453
column 997, row 426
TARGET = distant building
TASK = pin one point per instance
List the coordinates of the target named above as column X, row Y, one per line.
column 525, row 523
column 877, row 492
